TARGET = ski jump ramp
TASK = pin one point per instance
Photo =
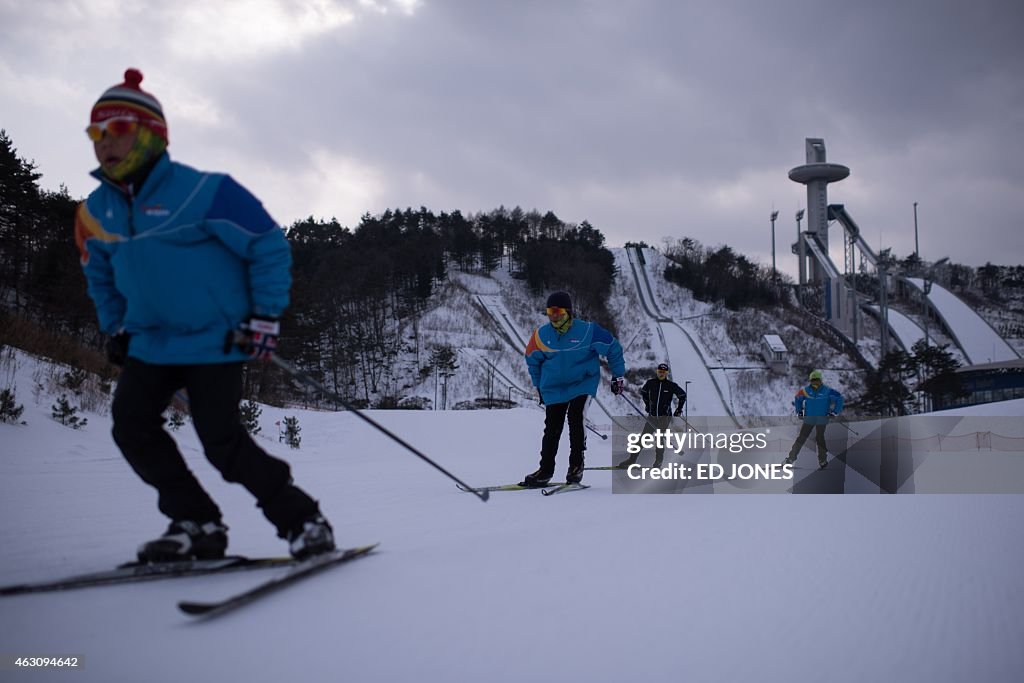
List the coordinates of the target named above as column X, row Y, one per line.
column 976, row 338
column 704, row 394
column 903, row 329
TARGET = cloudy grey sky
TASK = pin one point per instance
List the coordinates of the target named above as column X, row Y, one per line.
column 648, row 118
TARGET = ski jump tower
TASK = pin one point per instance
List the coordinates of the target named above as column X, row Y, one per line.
column 812, row 245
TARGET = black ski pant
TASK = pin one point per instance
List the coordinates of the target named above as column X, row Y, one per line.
column 214, row 391
column 554, row 422
column 819, row 437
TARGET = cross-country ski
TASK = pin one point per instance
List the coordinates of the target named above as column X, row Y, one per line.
column 302, row 570
column 135, row 571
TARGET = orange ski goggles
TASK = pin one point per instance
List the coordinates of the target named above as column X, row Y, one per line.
column 117, row 126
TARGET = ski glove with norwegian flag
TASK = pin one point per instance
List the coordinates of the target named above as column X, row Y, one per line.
column 258, row 337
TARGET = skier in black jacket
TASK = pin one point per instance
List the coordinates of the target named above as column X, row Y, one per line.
column 657, row 393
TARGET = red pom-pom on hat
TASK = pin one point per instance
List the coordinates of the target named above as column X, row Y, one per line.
column 128, row 99
column 132, row 78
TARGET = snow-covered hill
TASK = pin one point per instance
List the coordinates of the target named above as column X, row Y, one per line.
column 490, row 362
column 727, row 342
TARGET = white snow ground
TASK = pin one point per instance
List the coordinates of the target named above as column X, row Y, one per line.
column 587, row 586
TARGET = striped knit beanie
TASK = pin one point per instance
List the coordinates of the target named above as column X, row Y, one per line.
column 128, row 99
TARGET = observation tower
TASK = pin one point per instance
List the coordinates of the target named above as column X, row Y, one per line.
column 812, row 244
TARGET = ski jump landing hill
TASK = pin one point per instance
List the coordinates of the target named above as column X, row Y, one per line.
column 708, row 389
column 973, row 335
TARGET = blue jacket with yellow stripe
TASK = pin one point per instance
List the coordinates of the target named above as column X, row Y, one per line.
column 181, row 263
column 816, row 404
column 564, row 366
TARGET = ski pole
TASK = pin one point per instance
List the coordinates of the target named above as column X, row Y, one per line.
column 306, row 379
column 590, row 425
column 685, row 422
column 843, row 422
column 633, row 406
column 586, row 423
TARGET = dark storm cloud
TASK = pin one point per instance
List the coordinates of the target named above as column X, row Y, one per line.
column 649, row 119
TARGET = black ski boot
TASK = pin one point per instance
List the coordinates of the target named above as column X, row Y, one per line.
column 536, row 480
column 315, row 536
column 186, row 540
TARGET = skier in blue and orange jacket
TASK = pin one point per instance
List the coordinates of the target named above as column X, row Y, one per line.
column 815, row 404
column 189, row 275
column 563, row 358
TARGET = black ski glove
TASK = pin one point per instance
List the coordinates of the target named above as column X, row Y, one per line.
column 117, row 348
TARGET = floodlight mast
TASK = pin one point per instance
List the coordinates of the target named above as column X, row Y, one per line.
column 775, row 273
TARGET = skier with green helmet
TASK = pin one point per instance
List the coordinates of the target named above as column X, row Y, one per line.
column 815, row 404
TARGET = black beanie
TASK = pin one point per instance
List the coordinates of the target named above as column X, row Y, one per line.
column 560, row 299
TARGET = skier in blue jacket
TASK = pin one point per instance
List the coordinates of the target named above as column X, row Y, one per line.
column 563, row 358
column 189, row 275
column 815, row 404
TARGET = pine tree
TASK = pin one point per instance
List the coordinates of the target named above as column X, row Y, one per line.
column 937, row 368
column 9, row 412
column 74, row 379
column 19, row 214
column 291, row 432
column 66, row 414
column 250, row 412
column 887, row 391
column 444, row 361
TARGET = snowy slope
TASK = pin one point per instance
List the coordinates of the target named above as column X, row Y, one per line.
column 903, row 327
column 588, row 586
column 487, row 319
column 689, row 366
column 979, row 340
